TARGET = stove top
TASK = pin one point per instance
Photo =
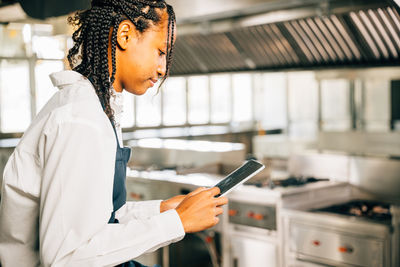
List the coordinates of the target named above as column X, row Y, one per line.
column 365, row 209
column 291, row 182
column 294, row 181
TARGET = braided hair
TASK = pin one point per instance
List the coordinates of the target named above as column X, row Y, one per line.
column 89, row 55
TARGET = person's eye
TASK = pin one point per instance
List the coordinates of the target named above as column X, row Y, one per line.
column 161, row 52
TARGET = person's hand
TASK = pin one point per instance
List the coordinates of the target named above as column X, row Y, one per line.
column 200, row 208
column 171, row 203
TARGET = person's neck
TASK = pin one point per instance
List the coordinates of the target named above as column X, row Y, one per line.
column 117, row 86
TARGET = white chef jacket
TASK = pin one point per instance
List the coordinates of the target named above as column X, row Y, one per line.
column 57, row 190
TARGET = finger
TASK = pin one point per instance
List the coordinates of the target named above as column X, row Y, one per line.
column 218, row 211
column 216, row 220
column 198, row 190
column 214, row 191
column 219, row 201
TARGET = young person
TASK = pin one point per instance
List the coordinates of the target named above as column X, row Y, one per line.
column 63, row 199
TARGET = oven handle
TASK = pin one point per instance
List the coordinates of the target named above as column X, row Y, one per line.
column 345, row 249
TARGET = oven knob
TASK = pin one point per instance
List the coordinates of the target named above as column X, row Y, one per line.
column 250, row 214
column 316, row 243
column 232, row 212
column 258, row 216
column 345, row 249
column 136, row 196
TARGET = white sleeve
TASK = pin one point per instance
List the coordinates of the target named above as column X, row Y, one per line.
column 76, row 203
column 138, row 210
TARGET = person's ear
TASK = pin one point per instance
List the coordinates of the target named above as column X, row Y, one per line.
column 126, row 33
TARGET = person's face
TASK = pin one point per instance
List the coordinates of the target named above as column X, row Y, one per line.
column 140, row 57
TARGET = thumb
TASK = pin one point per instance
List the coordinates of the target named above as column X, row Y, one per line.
column 198, row 190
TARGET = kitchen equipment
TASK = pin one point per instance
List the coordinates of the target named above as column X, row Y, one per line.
column 155, row 153
column 255, row 229
column 357, row 226
column 354, row 233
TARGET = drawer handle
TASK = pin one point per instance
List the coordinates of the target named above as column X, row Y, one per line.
column 232, row 212
column 255, row 216
column 345, row 249
column 316, row 243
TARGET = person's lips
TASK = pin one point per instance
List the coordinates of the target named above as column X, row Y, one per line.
column 153, row 81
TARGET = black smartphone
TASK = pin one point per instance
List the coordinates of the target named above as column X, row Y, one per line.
column 239, row 176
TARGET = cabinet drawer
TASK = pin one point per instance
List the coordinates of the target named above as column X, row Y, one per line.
column 325, row 244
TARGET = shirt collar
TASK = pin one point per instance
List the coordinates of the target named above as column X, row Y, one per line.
column 66, row 77
column 117, row 104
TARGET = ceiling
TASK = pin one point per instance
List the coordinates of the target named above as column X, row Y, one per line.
column 217, row 36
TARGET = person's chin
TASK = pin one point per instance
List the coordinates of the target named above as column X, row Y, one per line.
column 139, row 91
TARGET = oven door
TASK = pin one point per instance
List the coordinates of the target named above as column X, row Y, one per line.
column 248, row 249
column 335, row 248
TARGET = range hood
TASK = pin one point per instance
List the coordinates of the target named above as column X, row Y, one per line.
column 20, row 10
column 280, row 35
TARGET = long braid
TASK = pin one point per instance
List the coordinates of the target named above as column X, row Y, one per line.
column 89, row 54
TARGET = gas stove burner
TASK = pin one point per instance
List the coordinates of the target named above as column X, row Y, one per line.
column 294, row 181
column 362, row 208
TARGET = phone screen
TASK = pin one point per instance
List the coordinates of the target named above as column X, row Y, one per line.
column 239, row 176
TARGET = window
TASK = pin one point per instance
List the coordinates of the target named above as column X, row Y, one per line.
column 273, row 101
column 335, row 105
column 12, row 41
column 174, row 101
column 44, row 87
column 242, row 97
column 303, row 104
column 48, row 47
column 15, row 106
column 220, row 98
column 39, row 54
column 377, row 105
column 149, row 108
column 128, row 116
column 198, row 95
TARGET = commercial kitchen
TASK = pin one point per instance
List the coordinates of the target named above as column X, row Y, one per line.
column 310, row 88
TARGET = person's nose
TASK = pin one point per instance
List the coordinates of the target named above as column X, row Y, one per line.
column 162, row 68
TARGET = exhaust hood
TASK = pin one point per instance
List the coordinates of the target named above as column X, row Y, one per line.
column 280, row 35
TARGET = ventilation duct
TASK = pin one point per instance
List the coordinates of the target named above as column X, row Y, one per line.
column 335, row 34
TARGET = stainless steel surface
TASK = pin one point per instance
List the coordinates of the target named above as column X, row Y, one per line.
column 162, row 153
column 251, row 202
column 379, row 176
column 279, row 220
column 321, row 165
column 327, row 238
column 279, row 146
column 254, row 215
column 361, row 143
column 330, row 247
column 250, row 249
column 255, row 227
column 270, row 35
column 337, row 240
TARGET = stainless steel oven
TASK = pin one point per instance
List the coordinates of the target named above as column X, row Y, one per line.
column 335, row 240
column 359, row 227
column 252, row 234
